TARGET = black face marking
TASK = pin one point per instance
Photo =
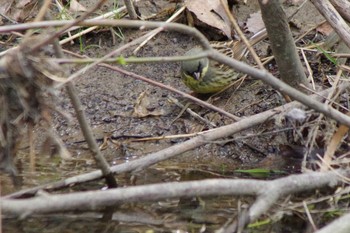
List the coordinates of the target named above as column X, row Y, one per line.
column 200, row 67
column 196, row 74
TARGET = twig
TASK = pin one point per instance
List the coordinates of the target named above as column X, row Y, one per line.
column 282, row 87
column 85, row 127
column 115, row 23
column 333, row 145
column 164, row 137
column 128, row 60
column 89, row 137
column 169, row 88
column 156, row 31
column 308, row 67
column 343, row 129
column 66, row 26
column 192, row 113
column 158, row 84
column 241, row 34
column 70, row 38
column 309, row 216
column 130, row 8
column 161, row 25
column 90, row 29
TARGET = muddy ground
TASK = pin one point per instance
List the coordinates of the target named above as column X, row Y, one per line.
column 109, row 99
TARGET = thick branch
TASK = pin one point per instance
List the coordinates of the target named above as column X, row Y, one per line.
column 282, row 44
column 340, row 225
column 343, row 7
column 93, row 200
column 334, row 19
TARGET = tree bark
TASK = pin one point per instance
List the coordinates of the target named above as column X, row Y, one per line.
column 282, row 44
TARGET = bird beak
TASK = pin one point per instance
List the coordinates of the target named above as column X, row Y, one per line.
column 197, row 75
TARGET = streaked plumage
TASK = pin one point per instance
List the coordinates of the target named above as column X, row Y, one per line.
column 206, row 76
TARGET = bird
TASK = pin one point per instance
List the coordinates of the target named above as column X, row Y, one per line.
column 204, row 76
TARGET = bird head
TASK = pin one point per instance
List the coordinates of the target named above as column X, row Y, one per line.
column 196, row 68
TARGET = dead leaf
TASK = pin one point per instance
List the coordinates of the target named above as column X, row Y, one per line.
column 325, row 29
column 25, row 3
column 18, row 11
column 212, row 13
column 255, row 22
column 5, row 6
column 143, row 107
column 75, row 6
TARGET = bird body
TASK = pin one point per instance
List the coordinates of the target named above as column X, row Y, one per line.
column 206, row 76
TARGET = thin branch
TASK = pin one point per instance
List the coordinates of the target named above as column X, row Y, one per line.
column 130, row 8
column 150, row 81
column 67, row 26
column 115, row 23
column 85, row 127
column 157, row 30
column 241, row 34
column 282, row 87
column 89, row 137
column 174, row 90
